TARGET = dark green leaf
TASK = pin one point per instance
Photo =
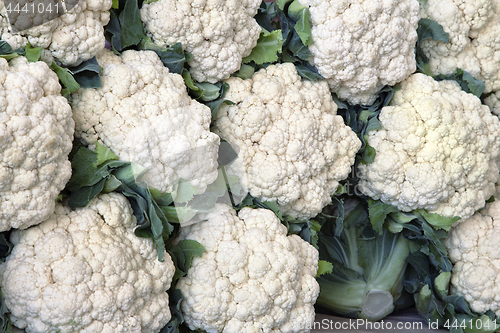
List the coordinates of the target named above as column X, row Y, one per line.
column 132, row 31
column 5, row 246
column 85, row 194
column 182, row 255
column 113, row 33
column 174, row 303
column 151, row 219
column 308, row 72
column 468, row 83
column 368, row 155
column 87, row 74
column 266, row 15
column 206, row 92
column 216, row 104
column 297, row 48
column 172, row 57
column 86, row 171
column 429, row 29
column 300, row 14
column 5, row 47
column 5, row 324
column 286, row 27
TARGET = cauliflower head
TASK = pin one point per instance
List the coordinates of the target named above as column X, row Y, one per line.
column 474, row 32
column 252, row 276
column 72, row 38
column 473, row 249
column 293, row 148
column 218, row 33
column 86, row 271
column 36, row 134
column 360, row 46
column 438, row 149
column 145, row 115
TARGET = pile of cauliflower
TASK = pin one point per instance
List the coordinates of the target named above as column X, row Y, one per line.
column 436, row 148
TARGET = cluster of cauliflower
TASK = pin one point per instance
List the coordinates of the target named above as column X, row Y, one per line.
column 36, row 134
column 218, row 33
column 473, row 249
column 438, row 149
column 252, row 276
column 360, row 46
column 85, row 270
column 293, row 147
column 144, row 114
column 70, row 38
column 473, row 28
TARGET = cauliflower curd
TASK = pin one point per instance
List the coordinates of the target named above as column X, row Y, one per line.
column 360, row 46
column 144, row 115
column 473, row 250
column 86, row 271
column 474, row 32
column 438, row 149
column 72, row 38
column 36, row 134
column 293, row 148
column 252, row 276
column 218, row 33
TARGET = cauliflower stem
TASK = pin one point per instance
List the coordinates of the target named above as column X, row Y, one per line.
column 367, row 278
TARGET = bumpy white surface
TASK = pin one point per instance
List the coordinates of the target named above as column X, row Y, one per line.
column 71, row 39
column 438, row 149
column 86, row 271
column 359, row 46
column 252, row 276
column 473, row 249
column 474, row 31
column 493, row 101
column 293, row 148
column 218, row 33
column 36, row 133
column 144, row 114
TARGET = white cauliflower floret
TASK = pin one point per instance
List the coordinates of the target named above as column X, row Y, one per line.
column 36, row 133
column 293, row 148
column 72, row 38
column 360, row 46
column 86, row 271
column 493, row 101
column 218, row 33
column 438, row 149
column 252, row 277
column 474, row 32
column 145, row 115
column 473, row 249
